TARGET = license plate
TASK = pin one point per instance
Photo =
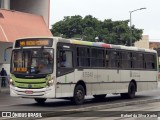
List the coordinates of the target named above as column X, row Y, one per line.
column 29, row 92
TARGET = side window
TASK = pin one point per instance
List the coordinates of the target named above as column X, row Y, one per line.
column 107, row 58
column 93, row 57
column 150, row 61
column 100, row 58
column 119, row 59
column 83, row 57
column 140, row 62
column 113, row 58
column 65, row 56
column 137, row 61
column 126, row 60
column 65, row 59
column 97, row 57
column 133, row 60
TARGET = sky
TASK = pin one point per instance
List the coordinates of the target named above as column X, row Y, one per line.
column 147, row 19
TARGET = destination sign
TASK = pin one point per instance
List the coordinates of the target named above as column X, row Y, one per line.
column 20, row 69
column 34, row 42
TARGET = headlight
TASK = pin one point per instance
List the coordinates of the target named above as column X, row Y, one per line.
column 50, row 82
column 11, row 82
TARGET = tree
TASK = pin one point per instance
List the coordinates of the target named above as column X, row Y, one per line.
column 68, row 27
column 89, row 28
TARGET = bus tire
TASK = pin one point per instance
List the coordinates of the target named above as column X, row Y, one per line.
column 131, row 90
column 40, row 100
column 79, row 95
column 100, row 97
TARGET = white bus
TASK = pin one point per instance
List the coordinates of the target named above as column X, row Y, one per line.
column 44, row 68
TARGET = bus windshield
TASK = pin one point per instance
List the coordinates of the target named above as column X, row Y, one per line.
column 32, row 61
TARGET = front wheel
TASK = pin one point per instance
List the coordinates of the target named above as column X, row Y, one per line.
column 79, row 95
column 40, row 100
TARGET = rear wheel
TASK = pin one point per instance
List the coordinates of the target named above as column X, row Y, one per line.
column 131, row 91
column 79, row 95
column 40, row 100
column 99, row 96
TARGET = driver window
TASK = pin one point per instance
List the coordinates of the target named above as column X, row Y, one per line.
column 65, row 59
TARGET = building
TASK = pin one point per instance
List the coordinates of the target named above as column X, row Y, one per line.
column 143, row 43
column 155, row 46
column 37, row 7
column 21, row 18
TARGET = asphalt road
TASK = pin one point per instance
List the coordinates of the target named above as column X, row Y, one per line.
column 53, row 107
column 8, row 103
column 149, row 111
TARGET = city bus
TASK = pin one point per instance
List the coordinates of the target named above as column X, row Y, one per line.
column 53, row 67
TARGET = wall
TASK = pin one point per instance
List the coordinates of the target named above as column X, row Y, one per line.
column 5, row 4
column 0, row 3
column 3, row 63
column 39, row 7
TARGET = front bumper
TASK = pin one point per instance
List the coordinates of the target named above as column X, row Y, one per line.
column 47, row 92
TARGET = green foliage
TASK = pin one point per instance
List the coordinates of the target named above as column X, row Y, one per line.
column 89, row 28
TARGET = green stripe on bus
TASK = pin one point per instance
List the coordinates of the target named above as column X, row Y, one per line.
column 65, row 78
column 28, row 80
column 22, row 85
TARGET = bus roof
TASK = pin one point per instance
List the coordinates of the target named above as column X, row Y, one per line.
column 96, row 44
column 104, row 45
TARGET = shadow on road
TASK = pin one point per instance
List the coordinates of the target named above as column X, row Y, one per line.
column 66, row 104
column 23, row 104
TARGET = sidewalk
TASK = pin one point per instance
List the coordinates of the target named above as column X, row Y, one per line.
column 4, row 89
